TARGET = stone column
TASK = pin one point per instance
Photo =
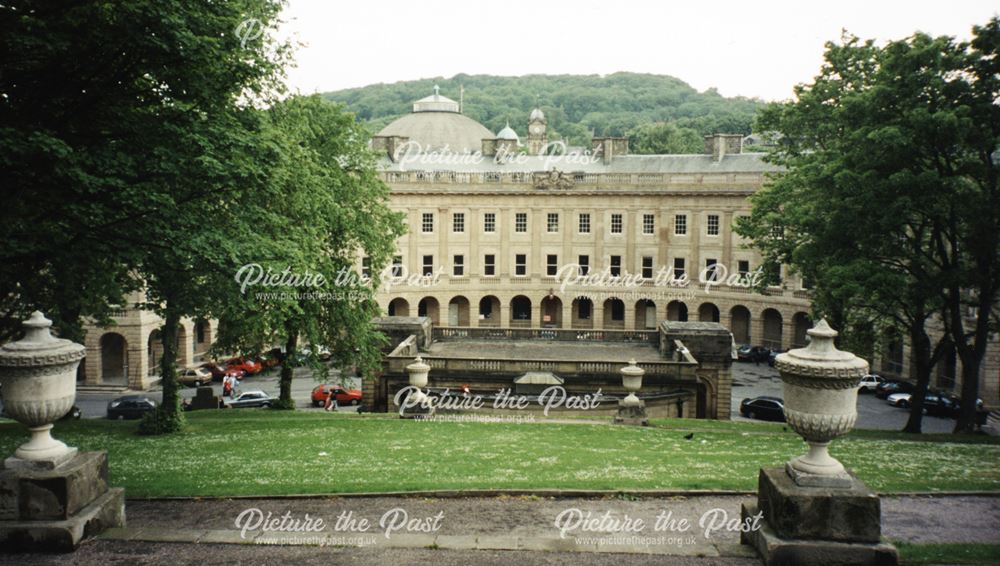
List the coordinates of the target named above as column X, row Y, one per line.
column 813, row 510
column 51, row 495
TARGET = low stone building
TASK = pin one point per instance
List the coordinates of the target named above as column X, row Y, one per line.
column 687, row 366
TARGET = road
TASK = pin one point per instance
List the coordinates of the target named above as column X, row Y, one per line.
column 94, row 405
column 751, row 380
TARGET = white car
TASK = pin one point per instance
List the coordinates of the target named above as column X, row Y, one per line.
column 899, row 400
column 194, row 376
column 870, row 382
column 255, row 398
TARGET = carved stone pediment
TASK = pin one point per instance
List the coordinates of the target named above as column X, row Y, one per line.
column 554, row 180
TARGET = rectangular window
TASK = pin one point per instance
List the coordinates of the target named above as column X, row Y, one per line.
column 616, row 223
column 427, row 222
column 490, row 222
column 616, row 265
column 553, row 222
column 397, row 266
column 647, row 267
column 713, row 224
column 521, row 222
column 551, row 265
column 584, row 223
column 458, row 222
column 584, row 264
column 520, row 264
column 743, row 266
column 680, row 224
column 489, row 265
column 648, row 224
column 711, row 270
column 678, row 267
column 583, row 309
column 428, row 265
column 458, row 269
column 366, row 267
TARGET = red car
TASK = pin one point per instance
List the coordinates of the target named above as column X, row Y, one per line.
column 218, row 371
column 248, row 367
column 343, row 396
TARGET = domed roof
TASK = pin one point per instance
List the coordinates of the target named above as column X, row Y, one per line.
column 435, row 130
column 435, row 103
column 507, row 133
column 536, row 114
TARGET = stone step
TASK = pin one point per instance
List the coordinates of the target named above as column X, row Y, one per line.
column 681, row 545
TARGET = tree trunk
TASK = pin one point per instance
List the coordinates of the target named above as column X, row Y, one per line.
column 921, row 356
column 966, row 422
column 285, row 385
column 970, row 354
column 168, row 364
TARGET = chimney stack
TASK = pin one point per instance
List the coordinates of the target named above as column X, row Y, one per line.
column 719, row 145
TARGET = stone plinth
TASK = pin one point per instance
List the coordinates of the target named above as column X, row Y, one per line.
column 817, row 525
column 51, row 510
column 846, row 514
column 630, row 414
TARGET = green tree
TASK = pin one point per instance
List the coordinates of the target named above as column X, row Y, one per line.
column 329, row 208
column 882, row 152
column 128, row 137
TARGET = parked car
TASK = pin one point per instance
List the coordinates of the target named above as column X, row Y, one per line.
column 254, row 398
column 130, row 407
column 870, row 382
column 247, row 366
column 763, row 408
column 343, row 396
column 322, row 353
column 772, row 356
column 271, row 358
column 935, row 404
column 748, row 353
column 887, row 388
column 217, row 370
column 194, row 376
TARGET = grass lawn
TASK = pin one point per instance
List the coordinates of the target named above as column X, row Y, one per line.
column 964, row 553
column 263, row 452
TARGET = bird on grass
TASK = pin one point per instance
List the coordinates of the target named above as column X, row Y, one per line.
column 689, row 436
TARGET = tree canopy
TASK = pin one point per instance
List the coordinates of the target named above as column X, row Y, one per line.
column 574, row 105
column 890, row 202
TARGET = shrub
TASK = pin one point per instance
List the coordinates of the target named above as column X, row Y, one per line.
column 158, row 422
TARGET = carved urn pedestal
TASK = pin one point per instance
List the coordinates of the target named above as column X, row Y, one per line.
column 815, row 511
column 51, row 495
column 632, row 409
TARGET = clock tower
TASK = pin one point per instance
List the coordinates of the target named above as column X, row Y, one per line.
column 537, row 138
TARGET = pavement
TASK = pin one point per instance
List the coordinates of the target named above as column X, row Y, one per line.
column 630, row 528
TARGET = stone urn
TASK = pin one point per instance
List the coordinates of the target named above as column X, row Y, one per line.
column 821, row 398
column 418, row 371
column 632, row 382
column 38, row 385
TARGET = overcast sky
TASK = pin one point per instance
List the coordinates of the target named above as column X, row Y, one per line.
column 749, row 47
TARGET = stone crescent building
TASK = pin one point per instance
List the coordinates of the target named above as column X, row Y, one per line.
column 496, row 224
